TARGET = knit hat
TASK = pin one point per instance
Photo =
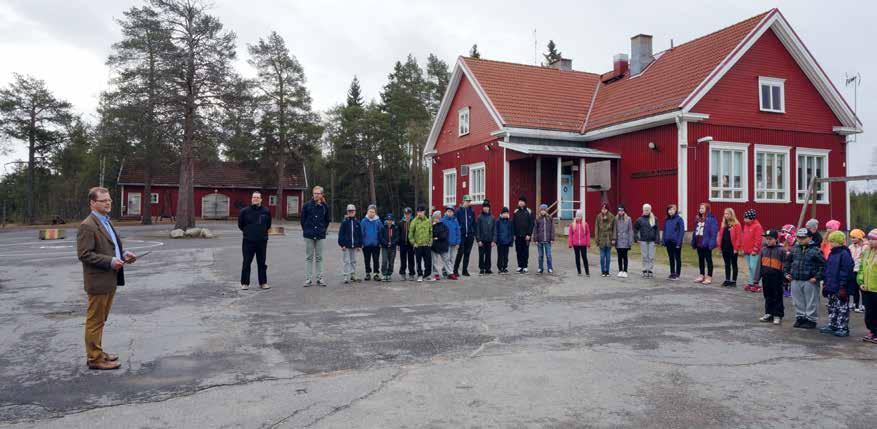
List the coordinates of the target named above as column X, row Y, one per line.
column 351, row 207
column 504, row 210
column 543, row 206
column 436, row 214
column 803, row 232
column 522, row 198
column 837, row 237
column 857, row 233
column 812, row 223
column 749, row 214
column 372, row 207
column 620, row 207
column 421, row 209
column 580, row 214
column 389, row 216
column 833, row 225
column 772, row 233
column 873, row 234
column 485, row 203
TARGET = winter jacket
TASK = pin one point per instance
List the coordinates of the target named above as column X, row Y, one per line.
column 708, row 233
column 543, row 232
column 453, row 230
column 771, row 262
column 420, row 232
column 315, row 219
column 644, row 231
column 857, row 252
column 604, row 229
column 674, row 231
column 439, row 237
column 371, row 231
column 623, row 232
column 350, row 233
column 391, row 235
column 839, row 272
column 505, row 232
column 466, row 220
column 403, row 231
column 867, row 276
column 523, row 221
column 254, row 222
column 579, row 234
column 752, row 237
column 736, row 237
column 805, row 263
column 485, row 228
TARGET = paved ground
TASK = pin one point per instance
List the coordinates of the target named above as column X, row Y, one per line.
column 497, row 351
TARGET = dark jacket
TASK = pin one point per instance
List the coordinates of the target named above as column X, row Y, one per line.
column 839, row 272
column 674, row 231
column 440, row 237
column 544, row 230
column 805, row 263
column 315, row 219
column 505, row 232
column 371, row 231
column 466, row 219
column 710, row 233
column 485, row 228
column 391, row 235
column 403, row 229
column 350, row 233
column 771, row 262
column 523, row 222
column 255, row 221
column 643, row 231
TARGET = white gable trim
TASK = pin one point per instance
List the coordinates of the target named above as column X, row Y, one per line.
column 793, row 44
column 460, row 70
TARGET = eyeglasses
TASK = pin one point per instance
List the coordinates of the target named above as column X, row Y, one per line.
column 106, row 200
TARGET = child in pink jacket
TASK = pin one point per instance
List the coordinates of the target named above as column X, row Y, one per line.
column 579, row 235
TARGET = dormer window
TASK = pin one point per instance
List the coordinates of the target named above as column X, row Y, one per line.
column 772, row 94
column 463, row 121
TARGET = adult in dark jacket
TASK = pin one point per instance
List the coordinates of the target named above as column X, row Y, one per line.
column 645, row 231
column 315, row 218
column 524, row 224
column 406, row 249
column 805, row 267
column 466, row 219
column 703, row 240
column 838, row 285
column 254, row 221
column 674, row 235
column 485, row 233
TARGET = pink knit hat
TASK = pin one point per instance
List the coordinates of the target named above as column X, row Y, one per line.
column 873, row 234
column 833, row 225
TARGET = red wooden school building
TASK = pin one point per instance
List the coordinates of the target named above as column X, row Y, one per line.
column 740, row 118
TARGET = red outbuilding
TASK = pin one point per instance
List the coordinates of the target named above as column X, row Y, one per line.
column 222, row 189
column 743, row 117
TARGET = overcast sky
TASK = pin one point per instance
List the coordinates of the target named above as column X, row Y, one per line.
column 66, row 42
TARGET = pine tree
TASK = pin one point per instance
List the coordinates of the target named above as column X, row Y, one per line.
column 553, row 54
column 437, row 79
column 474, row 52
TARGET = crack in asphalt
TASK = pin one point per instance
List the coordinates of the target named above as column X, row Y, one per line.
column 384, row 383
column 294, row 413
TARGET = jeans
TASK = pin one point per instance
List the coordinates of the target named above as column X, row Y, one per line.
column 622, row 259
column 581, row 252
column 388, row 259
column 772, row 288
column 257, row 249
column 705, row 258
column 730, row 265
column 502, row 256
column 463, row 254
column 522, row 251
column 423, row 255
column 313, row 259
column 484, row 256
column 348, row 261
column 648, row 253
column 605, row 259
column 805, row 295
column 752, row 262
column 675, row 255
column 544, row 249
column 372, row 255
column 406, row 259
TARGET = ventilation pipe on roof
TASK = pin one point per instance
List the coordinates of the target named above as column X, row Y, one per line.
column 562, row 64
column 620, row 64
column 640, row 53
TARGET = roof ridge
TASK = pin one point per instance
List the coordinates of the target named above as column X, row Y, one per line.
column 760, row 15
column 527, row 65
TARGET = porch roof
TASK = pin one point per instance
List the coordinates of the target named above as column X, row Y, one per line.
column 555, row 148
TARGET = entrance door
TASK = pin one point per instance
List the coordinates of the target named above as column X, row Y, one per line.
column 134, row 204
column 214, row 206
column 292, row 205
column 567, row 196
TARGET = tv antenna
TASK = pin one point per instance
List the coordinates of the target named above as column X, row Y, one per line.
column 854, row 80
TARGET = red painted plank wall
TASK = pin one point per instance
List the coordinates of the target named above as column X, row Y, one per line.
column 481, row 124
column 493, row 162
column 169, row 194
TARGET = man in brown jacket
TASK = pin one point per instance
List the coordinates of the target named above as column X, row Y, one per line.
column 100, row 250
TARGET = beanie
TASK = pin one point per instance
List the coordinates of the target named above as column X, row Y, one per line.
column 837, row 237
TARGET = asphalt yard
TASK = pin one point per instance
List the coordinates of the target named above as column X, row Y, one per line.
column 494, row 351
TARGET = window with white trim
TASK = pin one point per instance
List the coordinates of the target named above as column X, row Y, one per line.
column 463, row 121
column 728, row 171
column 812, row 163
column 272, row 200
column 153, row 198
column 772, row 174
column 477, row 180
column 771, row 94
column 450, row 187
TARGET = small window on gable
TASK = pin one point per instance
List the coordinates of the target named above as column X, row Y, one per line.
column 771, row 94
column 463, row 121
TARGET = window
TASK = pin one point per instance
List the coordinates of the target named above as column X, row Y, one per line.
column 476, row 183
column 771, row 94
column 728, row 171
column 772, row 174
column 134, row 204
column 463, row 121
column 450, row 187
column 153, row 198
column 291, row 205
column 272, row 200
column 812, row 163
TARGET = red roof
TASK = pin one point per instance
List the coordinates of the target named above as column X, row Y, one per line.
column 545, row 98
column 218, row 174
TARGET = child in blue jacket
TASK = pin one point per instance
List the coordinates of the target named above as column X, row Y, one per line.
column 454, row 238
column 839, row 281
column 371, row 242
column 674, row 234
column 703, row 240
column 350, row 241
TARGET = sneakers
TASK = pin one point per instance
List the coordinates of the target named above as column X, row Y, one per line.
column 245, row 287
column 377, row 277
column 699, row 279
column 353, row 279
column 264, row 286
column 387, row 278
column 526, row 271
column 798, row 322
column 787, row 293
column 842, row 333
column 321, row 282
column 859, row 309
column 777, row 320
column 368, row 277
column 747, row 288
column 419, row 278
column 550, row 271
column 767, row 318
column 539, row 271
column 480, row 272
column 808, row 324
column 756, row 288
column 624, row 274
column 307, row 283
column 454, row 277
column 519, row 271
column 430, row 278
column 827, row 329
column 466, row 273
column 620, row 274
column 707, row 280
column 870, row 338
column 346, row 281
column 437, row 277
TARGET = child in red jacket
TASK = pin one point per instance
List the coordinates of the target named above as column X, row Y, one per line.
column 752, row 240
column 730, row 241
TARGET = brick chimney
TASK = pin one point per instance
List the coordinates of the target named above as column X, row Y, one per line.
column 563, row 64
column 640, row 53
column 620, row 64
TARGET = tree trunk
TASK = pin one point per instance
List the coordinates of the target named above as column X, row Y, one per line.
column 147, row 195
column 186, row 197
column 31, row 159
column 371, row 183
column 332, row 192
column 281, row 169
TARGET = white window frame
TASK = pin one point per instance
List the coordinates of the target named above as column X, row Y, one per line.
column 293, row 207
column 153, row 198
column 800, row 193
column 272, row 200
column 478, row 195
column 463, row 121
column 449, row 193
column 771, row 82
column 744, row 172
column 787, row 176
column 134, row 209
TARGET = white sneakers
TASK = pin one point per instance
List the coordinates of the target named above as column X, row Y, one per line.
column 622, row 274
